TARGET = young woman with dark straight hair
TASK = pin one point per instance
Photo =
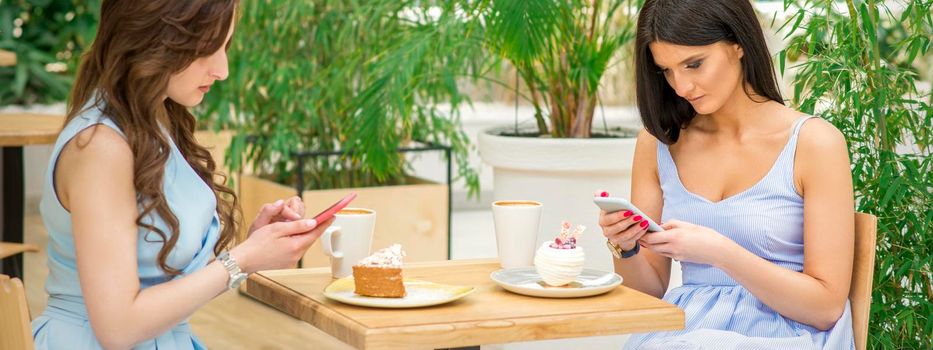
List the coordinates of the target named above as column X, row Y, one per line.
column 135, row 209
column 755, row 198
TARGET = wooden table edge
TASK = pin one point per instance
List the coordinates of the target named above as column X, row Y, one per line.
column 498, row 332
column 31, row 137
column 357, row 335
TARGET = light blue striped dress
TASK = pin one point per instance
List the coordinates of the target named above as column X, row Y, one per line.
column 64, row 323
column 766, row 219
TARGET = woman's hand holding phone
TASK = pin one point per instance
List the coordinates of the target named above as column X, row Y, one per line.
column 684, row 241
column 278, row 245
column 623, row 228
column 279, row 236
column 623, row 224
column 280, row 211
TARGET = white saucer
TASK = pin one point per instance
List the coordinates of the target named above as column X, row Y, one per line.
column 526, row 281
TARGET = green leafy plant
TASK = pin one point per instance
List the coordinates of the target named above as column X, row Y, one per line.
column 561, row 50
column 370, row 76
column 47, row 37
column 871, row 95
column 361, row 76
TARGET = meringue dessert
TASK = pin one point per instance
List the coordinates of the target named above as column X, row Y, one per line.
column 380, row 274
column 560, row 261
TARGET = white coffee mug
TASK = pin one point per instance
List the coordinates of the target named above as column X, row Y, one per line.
column 516, row 231
column 348, row 240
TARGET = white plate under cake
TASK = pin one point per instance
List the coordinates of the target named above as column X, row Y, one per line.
column 419, row 294
column 526, row 281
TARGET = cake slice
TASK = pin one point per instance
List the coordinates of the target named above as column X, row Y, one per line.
column 380, row 274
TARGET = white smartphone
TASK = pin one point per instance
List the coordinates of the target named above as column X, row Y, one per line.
column 614, row 204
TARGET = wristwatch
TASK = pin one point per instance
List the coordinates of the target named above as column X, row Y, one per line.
column 237, row 275
column 618, row 253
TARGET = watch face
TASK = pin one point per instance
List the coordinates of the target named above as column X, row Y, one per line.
column 614, row 249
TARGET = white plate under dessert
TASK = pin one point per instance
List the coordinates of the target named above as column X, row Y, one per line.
column 418, row 294
column 525, row 280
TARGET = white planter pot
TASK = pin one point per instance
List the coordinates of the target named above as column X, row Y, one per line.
column 562, row 174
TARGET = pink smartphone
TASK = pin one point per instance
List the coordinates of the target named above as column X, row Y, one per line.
column 328, row 213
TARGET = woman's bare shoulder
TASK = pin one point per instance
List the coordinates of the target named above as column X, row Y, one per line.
column 96, row 159
column 100, row 144
column 646, row 155
column 819, row 136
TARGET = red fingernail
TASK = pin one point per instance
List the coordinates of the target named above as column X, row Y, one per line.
column 627, row 213
column 644, row 224
column 604, row 194
column 637, row 218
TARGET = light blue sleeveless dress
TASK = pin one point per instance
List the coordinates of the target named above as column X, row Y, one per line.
column 766, row 219
column 64, row 323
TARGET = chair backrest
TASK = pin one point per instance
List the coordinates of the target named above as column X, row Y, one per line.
column 11, row 249
column 15, row 332
column 863, row 271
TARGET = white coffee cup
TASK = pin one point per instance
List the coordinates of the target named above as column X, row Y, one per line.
column 516, row 231
column 348, row 240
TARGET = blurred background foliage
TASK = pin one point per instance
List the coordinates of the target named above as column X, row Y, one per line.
column 48, row 37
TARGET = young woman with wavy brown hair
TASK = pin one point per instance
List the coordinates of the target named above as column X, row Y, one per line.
column 140, row 222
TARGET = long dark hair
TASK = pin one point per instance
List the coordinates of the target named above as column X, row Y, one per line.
column 695, row 23
column 138, row 47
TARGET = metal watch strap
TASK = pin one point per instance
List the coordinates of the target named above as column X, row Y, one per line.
column 237, row 275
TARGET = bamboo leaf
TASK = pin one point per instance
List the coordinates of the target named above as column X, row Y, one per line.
column 782, row 59
column 868, row 24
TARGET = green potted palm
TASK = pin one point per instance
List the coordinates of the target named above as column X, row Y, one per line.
column 322, row 96
column 561, row 51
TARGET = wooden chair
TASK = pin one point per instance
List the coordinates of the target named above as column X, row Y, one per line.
column 863, row 271
column 16, row 332
column 11, row 249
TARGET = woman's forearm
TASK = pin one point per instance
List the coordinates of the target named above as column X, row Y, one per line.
column 792, row 294
column 637, row 273
column 157, row 309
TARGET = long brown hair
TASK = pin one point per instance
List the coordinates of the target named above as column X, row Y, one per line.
column 139, row 46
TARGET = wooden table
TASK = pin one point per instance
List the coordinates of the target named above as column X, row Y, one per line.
column 490, row 315
column 18, row 130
